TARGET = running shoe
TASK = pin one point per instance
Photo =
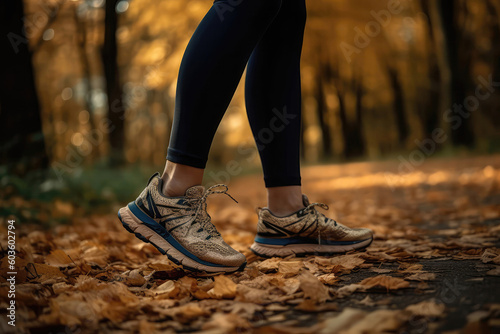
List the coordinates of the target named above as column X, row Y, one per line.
column 304, row 232
column 181, row 228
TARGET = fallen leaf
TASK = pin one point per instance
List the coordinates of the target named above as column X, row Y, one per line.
column 134, row 278
column 58, row 258
column 189, row 312
column 379, row 321
column 347, row 290
column 421, row 276
column 44, row 270
column 269, row 265
column 290, row 286
column 347, row 261
column 367, row 301
column 251, row 295
column 313, row 288
column 494, row 272
column 166, row 287
column 224, row 287
column 290, row 268
column 342, row 321
column 328, row 279
column 226, row 323
column 388, row 282
column 427, row 308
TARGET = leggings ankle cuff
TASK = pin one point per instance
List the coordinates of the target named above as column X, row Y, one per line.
column 185, row 159
column 282, row 181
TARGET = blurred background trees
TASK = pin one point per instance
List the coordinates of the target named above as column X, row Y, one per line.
column 378, row 78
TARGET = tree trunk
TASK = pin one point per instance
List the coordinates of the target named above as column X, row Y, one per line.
column 398, row 105
column 357, row 145
column 323, row 115
column 494, row 105
column 459, row 60
column 352, row 132
column 116, row 107
column 22, row 146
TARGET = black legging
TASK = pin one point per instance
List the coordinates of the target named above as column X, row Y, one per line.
column 268, row 35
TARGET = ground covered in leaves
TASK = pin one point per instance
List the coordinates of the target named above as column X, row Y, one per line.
column 433, row 267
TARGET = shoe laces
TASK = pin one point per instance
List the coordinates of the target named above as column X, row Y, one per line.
column 319, row 217
column 201, row 207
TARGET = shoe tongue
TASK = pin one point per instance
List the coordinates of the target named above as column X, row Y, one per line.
column 195, row 191
column 305, row 200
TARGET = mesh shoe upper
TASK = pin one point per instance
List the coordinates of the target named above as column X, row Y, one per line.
column 308, row 223
column 186, row 219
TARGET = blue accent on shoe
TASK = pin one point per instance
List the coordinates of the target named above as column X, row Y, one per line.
column 153, row 225
column 294, row 241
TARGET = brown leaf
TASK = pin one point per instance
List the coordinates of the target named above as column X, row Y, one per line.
column 45, row 270
column 347, row 261
column 388, row 282
column 269, row 265
column 290, row 286
column 290, row 268
column 379, row 321
column 411, row 268
column 224, row 288
column 328, row 279
column 58, row 258
column 421, row 276
column 134, row 278
column 427, row 308
column 342, row 321
column 347, row 290
column 227, row 323
column 166, row 287
column 494, row 272
column 313, row 288
column 490, row 255
column 189, row 312
column 251, row 295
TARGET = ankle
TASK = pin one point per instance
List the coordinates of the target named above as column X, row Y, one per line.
column 173, row 188
column 282, row 211
column 178, row 178
column 283, row 201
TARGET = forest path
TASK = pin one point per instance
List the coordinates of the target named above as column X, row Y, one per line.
column 434, row 265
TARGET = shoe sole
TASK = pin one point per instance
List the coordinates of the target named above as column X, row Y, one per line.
column 152, row 234
column 267, row 250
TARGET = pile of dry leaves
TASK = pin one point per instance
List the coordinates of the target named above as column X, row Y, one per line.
column 92, row 276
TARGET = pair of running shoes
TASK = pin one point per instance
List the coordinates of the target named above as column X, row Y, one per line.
column 181, row 228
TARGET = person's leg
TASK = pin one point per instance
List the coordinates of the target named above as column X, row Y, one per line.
column 170, row 212
column 284, row 200
column 273, row 100
column 211, row 68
